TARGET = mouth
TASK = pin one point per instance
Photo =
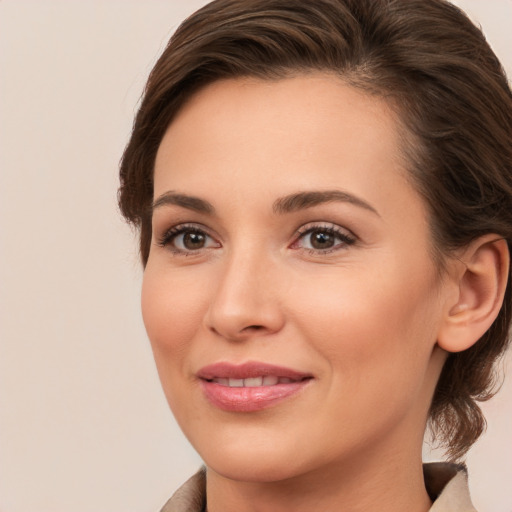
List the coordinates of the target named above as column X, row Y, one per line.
column 249, row 387
column 253, row 382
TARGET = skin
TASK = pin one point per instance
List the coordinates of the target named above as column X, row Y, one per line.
column 362, row 318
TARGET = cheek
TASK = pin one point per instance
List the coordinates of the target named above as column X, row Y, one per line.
column 172, row 310
column 377, row 336
column 370, row 323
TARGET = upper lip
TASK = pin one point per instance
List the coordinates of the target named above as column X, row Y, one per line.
column 225, row 370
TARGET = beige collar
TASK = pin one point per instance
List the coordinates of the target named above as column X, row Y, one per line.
column 447, row 484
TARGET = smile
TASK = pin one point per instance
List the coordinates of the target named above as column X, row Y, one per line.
column 253, row 382
column 251, row 386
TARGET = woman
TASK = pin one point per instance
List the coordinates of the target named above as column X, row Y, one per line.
column 324, row 198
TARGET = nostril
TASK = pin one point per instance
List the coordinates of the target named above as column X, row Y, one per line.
column 253, row 328
column 245, row 330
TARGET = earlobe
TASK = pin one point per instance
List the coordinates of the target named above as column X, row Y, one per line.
column 481, row 275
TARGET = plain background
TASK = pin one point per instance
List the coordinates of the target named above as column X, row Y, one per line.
column 83, row 422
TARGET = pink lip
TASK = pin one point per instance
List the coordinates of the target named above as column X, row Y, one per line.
column 249, row 399
column 248, row 370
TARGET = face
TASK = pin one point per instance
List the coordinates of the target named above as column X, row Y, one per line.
column 290, row 297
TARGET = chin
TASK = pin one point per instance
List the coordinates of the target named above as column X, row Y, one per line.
column 250, row 470
column 269, row 459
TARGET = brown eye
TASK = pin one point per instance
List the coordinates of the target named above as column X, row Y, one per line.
column 321, row 240
column 324, row 239
column 193, row 240
column 185, row 239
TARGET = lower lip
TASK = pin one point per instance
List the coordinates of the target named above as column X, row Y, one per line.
column 250, row 399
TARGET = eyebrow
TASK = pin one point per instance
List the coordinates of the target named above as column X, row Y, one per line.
column 189, row 202
column 303, row 200
column 286, row 204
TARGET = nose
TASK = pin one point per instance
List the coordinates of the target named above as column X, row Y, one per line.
column 245, row 302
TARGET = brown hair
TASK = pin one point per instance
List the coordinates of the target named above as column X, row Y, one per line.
column 426, row 58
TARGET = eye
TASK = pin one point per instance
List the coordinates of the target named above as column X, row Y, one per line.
column 187, row 239
column 323, row 239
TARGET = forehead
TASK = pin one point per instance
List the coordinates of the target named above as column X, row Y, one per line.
column 302, row 104
column 310, row 131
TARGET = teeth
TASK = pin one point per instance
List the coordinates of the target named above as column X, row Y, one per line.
column 253, row 382
column 270, row 380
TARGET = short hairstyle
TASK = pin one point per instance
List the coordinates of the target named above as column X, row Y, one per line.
column 427, row 60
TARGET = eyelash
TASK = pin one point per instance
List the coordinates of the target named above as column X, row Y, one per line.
column 345, row 238
column 168, row 238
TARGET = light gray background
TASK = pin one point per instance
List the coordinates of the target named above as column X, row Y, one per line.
column 83, row 422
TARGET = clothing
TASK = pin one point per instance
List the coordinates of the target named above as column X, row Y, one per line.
column 447, row 486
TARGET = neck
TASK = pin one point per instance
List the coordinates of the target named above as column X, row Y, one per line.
column 365, row 485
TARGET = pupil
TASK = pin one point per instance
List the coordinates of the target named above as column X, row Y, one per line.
column 321, row 240
column 193, row 240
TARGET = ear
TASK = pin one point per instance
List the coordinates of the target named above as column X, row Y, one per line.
column 480, row 273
